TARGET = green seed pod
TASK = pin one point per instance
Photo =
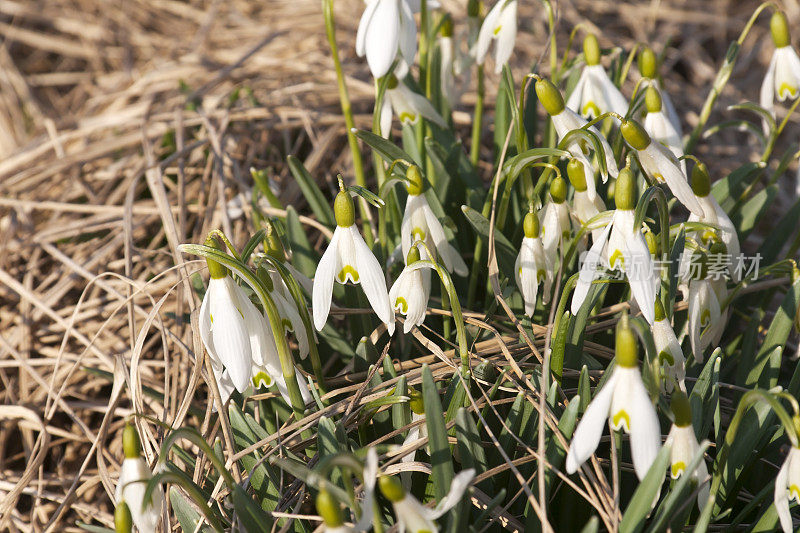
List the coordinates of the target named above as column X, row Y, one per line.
column 131, row 446
column 591, row 50
column 549, row 96
column 634, row 134
column 701, row 181
column 625, row 190
column 558, row 190
column 779, row 28
column 576, row 174
column 627, row 346
column 413, row 255
column 343, row 210
column 659, row 310
column 681, row 408
column 415, row 183
column 652, row 100
column 328, row 509
column 447, row 27
column 216, row 270
column 391, row 488
column 123, row 521
column 530, row 225
column 648, row 63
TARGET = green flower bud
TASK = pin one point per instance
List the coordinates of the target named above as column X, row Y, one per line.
column 216, row 270
column 416, row 404
column 343, row 210
column 701, row 181
column 530, row 225
column 648, row 63
column 627, row 346
column 131, row 446
column 447, row 27
column 328, row 509
column 634, row 134
column 659, row 310
column 558, row 190
column 123, row 521
column 550, row 97
column 681, row 408
column 625, row 190
column 652, row 242
column 576, row 174
column 591, row 50
column 392, row 82
column 392, row 488
column 415, row 183
column 779, row 28
column 413, row 255
column 652, row 100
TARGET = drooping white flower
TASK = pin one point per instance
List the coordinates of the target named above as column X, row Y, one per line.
column 660, row 164
column 583, row 207
column 410, row 292
column 595, row 93
column 531, row 267
column 706, row 316
column 421, row 224
column 670, row 354
column 782, row 79
column 407, row 106
column 621, row 246
column 556, row 223
column 787, row 488
column 348, row 258
column 500, row 24
column 565, row 120
column 660, row 128
column 624, row 402
column 648, row 67
column 387, row 29
column 133, row 477
column 684, row 446
column 454, row 66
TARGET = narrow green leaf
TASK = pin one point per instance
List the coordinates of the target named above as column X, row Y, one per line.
column 312, row 193
column 642, row 501
column 304, row 257
column 506, row 254
column 441, row 459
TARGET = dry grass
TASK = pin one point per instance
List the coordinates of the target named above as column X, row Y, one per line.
column 104, row 170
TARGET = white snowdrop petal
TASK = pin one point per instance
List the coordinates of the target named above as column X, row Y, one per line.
column 487, row 33
column 382, row 37
column 590, row 429
column 589, row 270
column 507, row 35
column 372, row 280
column 408, row 33
column 639, row 269
column 229, row 332
column 645, row 430
column 363, row 24
column 665, row 165
column 612, row 97
column 781, row 497
column 458, row 487
column 323, row 280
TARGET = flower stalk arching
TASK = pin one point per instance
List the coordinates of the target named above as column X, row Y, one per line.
column 284, row 354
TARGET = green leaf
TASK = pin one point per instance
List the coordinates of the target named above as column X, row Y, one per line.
column 642, row 501
column 387, row 150
column 93, row 528
column 441, row 459
column 559, row 345
column 187, row 516
column 506, row 254
column 704, row 397
column 304, row 257
column 753, row 209
column 252, row 517
column 313, row 195
column 729, row 188
column 591, row 526
column 677, row 495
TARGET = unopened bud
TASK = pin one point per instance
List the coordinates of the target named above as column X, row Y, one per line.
column 576, row 174
column 550, row 97
column 634, row 134
column 779, row 28
column 558, row 190
column 648, row 63
column 530, row 225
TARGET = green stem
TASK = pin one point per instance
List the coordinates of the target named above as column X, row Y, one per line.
column 477, row 120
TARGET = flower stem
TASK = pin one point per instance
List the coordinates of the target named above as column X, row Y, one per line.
column 477, row 120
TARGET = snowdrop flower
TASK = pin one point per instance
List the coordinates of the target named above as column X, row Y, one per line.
column 328, row 509
column 660, row 164
column 670, row 354
column 684, row 446
column 421, row 224
column 706, row 296
column 621, row 246
column 583, row 207
column 133, row 477
column 623, row 401
column 500, row 25
column 414, row 517
column 660, row 128
column 407, row 105
column 349, row 259
column 531, row 266
column 565, row 120
column 595, row 93
column 782, row 79
column 787, row 485
column 409, row 294
column 648, row 67
column 419, row 431
column 556, row 225
column 387, row 28
column 714, row 214
column 454, row 67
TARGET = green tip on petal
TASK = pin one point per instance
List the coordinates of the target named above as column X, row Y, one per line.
column 447, row 27
column 216, row 270
column 627, row 347
column 328, row 509
column 123, row 521
column 681, row 408
column 413, row 255
column 779, row 28
column 550, row 97
column 652, row 100
column 392, row 488
column 343, row 210
column 701, row 181
column 558, row 190
column 659, row 310
column 634, row 134
column 648, row 63
column 625, row 190
column 576, row 174
column 415, row 183
column 416, row 404
column 531, row 225
column 591, row 50
column 131, row 446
